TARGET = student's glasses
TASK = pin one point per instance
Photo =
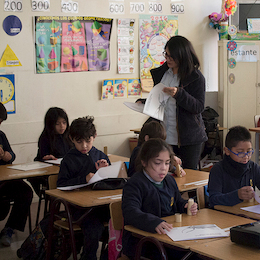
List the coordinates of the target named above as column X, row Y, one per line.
column 166, row 55
column 242, row 154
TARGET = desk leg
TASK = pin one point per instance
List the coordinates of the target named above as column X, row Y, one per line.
column 200, row 197
column 257, row 148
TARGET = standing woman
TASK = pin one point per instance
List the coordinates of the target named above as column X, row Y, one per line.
column 186, row 86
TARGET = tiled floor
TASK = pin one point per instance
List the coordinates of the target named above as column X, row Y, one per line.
column 9, row 253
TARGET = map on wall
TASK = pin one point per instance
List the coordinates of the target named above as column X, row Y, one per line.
column 70, row 44
column 154, row 32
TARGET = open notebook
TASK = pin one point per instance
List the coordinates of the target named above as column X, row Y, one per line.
column 110, row 171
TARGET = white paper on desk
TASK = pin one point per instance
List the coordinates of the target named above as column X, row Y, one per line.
column 110, row 171
column 254, row 209
column 156, row 102
column 196, row 232
column 58, row 161
column 29, row 166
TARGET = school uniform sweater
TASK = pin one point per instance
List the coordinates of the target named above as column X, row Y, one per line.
column 227, row 177
column 75, row 166
column 6, row 147
column 61, row 146
column 131, row 170
column 144, row 205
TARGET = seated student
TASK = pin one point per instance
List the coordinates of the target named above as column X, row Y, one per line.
column 151, row 194
column 53, row 142
column 232, row 180
column 78, row 167
column 152, row 129
column 15, row 190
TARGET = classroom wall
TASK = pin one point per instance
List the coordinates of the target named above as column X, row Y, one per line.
column 79, row 93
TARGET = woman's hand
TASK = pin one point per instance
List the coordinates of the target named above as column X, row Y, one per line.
column 5, row 155
column 193, row 208
column 160, row 229
column 49, row 157
column 170, row 91
column 101, row 163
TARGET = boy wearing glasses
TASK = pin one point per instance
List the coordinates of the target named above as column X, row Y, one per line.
column 233, row 179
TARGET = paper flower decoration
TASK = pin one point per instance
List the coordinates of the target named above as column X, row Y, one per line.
column 231, row 45
column 230, row 7
column 216, row 19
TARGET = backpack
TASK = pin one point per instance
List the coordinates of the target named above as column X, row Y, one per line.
column 210, row 118
column 35, row 245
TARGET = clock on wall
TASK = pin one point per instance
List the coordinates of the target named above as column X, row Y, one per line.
column 7, row 92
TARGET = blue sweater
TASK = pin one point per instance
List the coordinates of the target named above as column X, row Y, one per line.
column 6, row 147
column 75, row 166
column 227, row 177
column 142, row 206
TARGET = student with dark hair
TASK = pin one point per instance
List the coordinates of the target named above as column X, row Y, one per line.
column 186, row 86
column 151, row 194
column 233, row 179
column 152, row 129
column 77, row 167
column 53, row 142
column 14, row 190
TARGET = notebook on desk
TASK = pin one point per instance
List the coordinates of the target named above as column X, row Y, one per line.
column 110, row 171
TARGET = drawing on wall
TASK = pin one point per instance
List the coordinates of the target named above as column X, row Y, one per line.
column 154, row 32
column 9, row 59
column 7, row 92
column 70, row 44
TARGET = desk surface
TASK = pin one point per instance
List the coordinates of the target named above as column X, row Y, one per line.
column 116, row 158
column 204, row 216
column 12, row 174
column 85, row 197
column 255, row 129
column 237, row 211
column 192, row 180
column 225, row 249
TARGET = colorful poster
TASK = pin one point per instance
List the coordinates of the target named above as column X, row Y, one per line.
column 154, row 32
column 120, row 88
column 134, row 87
column 69, row 44
column 107, row 89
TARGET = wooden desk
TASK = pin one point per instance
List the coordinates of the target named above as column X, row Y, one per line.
column 85, row 197
column 204, row 216
column 136, row 131
column 116, row 158
column 12, row 174
column 237, row 211
column 257, row 132
column 225, row 249
column 194, row 180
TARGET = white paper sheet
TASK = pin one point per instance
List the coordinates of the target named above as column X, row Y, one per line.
column 110, row 171
column 257, row 198
column 156, row 102
column 58, row 161
column 196, row 232
column 154, row 105
column 254, row 209
column 29, row 166
column 135, row 106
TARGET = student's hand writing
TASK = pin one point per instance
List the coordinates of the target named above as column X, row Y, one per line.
column 49, row 157
column 89, row 176
column 160, row 229
column 193, row 208
column 101, row 163
column 246, row 193
column 170, row 91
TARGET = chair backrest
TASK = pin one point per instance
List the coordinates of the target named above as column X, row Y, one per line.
column 256, row 117
column 123, row 171
column 116, row 214
column 52, row 181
